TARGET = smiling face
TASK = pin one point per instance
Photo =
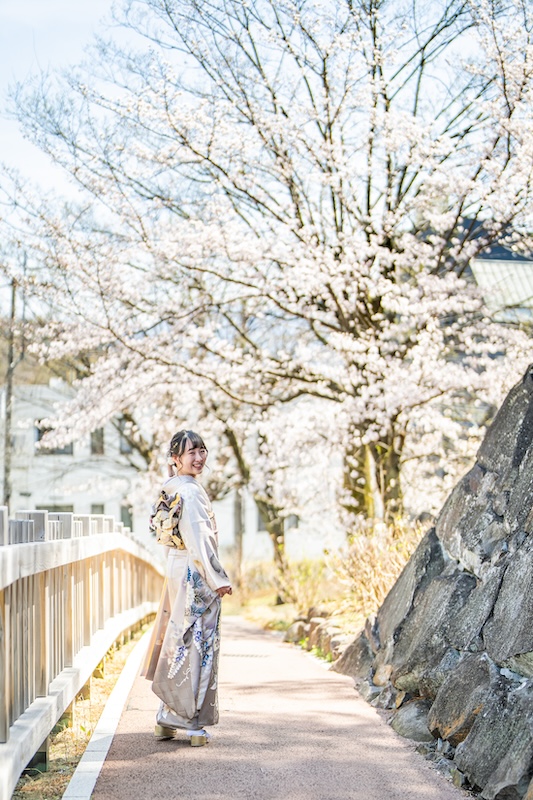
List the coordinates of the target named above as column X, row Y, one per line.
column 192, row 460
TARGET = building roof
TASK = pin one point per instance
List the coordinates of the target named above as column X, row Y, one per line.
column 507, row 286
column 497, row 252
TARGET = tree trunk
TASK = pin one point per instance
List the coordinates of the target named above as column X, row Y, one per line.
column 275, row 525
column 372, row 479
column 274, row 521
column 238, row 510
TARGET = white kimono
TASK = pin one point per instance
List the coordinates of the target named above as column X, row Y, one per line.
column 183, row 657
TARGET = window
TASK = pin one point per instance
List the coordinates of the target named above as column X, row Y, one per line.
column 261, row 521
column 292, row 521
column 97, row 508
column 66, row 450
column 56, row 509
column 97, row 442
column 124, row 443
column 125, row 517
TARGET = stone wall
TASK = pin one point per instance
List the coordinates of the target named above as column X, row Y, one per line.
column 450, row 651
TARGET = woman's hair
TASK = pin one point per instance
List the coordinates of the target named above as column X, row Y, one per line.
column 181, row 439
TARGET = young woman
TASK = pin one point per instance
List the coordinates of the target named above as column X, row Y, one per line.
column 183, row 657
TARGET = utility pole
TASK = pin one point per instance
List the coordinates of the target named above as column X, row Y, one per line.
column 8, row 440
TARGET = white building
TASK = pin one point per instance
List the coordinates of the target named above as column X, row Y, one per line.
column 96, row 474
column 506, row 280
column 89, row 476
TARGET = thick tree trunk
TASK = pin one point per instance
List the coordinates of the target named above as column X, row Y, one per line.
column 238, row 510
column 372, row 479
column 275, row 525
column 274, row 522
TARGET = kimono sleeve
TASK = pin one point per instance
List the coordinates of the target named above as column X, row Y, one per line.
column 199, row 536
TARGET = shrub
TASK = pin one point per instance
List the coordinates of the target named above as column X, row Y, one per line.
column 372, row 561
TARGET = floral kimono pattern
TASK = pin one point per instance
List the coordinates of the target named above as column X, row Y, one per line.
column 183, row 657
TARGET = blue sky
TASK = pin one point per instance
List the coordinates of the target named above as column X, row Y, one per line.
column 39, row 35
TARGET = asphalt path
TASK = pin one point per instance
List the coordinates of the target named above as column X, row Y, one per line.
column 289, row 729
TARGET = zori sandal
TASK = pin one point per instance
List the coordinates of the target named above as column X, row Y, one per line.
column 198, row 738
column 163, row 733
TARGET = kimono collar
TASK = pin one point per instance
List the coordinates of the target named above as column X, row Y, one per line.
column 186, row 478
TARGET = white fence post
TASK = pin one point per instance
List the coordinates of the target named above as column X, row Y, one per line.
column 4, row 526
column 40, row 524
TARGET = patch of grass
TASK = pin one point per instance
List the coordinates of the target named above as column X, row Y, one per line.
column 68, row 744
column 260, row 608
column 271, row 616
column 348, row 585
column 308, row 581
column 319, row 653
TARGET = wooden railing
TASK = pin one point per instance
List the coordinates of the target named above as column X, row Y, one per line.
column 70, row 586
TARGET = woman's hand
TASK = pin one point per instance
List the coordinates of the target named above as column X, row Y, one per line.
column 222, row 590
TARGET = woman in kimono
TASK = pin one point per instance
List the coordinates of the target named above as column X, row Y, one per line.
column 183, row 657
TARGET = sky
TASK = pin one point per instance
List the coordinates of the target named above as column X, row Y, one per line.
column 39, row 35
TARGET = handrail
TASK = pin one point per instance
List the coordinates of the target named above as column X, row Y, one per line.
column 70, row 585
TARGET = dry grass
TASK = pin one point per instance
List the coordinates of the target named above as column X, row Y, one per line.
column 308, row 581
column 349, row 585
column 68, row 745
column 371, row 563
column 259, row 606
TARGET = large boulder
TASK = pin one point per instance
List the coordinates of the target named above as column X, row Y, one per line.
column 424, row 640
column 497, row 754
column 462, row 696
column 410, row 721
column 425, row 564
column 509, row 631
column 356, row 660
column 454, row 636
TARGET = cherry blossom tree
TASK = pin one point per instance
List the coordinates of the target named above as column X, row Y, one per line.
column 279, row 200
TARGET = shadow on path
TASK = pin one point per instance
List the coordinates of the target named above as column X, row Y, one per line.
column 288, row 729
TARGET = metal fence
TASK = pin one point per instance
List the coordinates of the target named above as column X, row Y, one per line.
column 70, row 585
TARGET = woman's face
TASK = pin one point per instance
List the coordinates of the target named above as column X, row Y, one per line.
column 192, row 461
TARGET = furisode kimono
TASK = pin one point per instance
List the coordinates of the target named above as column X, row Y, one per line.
column 182, row 661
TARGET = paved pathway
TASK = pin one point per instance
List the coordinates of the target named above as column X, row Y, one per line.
column 289, row 730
